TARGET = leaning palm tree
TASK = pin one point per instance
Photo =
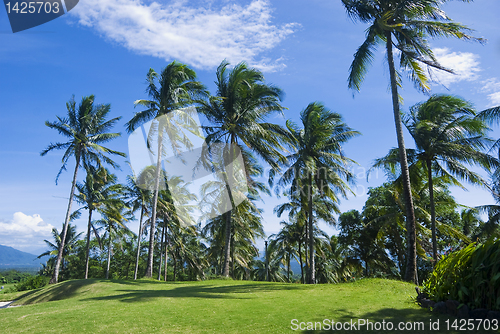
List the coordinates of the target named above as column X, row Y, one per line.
column 447, row 134
column 238, row 116
column 318, row 167
column 177, row 89
column 404, row 25
column 86, row 127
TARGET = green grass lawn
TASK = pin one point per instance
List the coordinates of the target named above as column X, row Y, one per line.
column 6, row 288
column 219, row 306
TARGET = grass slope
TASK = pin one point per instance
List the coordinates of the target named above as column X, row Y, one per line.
column 100, row 306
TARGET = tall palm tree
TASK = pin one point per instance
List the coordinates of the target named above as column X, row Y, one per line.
column 86, row 127
column 177, row 89
column 447, row 134
column 404, row 25
column 318, row 167
column 238, row 116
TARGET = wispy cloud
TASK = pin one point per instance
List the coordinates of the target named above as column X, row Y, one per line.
column 24, row 232
column 199, row 36
column 492, row 88
column 465, row 65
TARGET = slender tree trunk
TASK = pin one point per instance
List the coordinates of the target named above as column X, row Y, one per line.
column 312, row 274
column 55, row 276
column 109, row 253
column 433, row 213
column 166, row 252
column 301, row 264
column 149, row 268
column 227, row 175
column 87, row 255
column 306, row 254
column 227, row 246
column 288, row 269
column 161, row 253
column 139, row 243
column 411, row 259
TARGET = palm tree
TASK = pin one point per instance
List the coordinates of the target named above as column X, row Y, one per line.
column 177, row 89
column 99, row 187
column 238, row 119
column 55, row 248
column 139, row 198
column 283, row 243
column 86, row 128
column 318, row 163
column 447, row 135
column 404, row 25
column 114, row 213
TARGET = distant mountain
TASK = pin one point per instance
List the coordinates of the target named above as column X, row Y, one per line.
column 13, row 258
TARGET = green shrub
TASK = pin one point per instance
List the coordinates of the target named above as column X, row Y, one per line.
column 471, row 276
column 34, row 282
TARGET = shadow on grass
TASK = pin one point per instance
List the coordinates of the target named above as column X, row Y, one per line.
column 239, row 291
column 63, row 290
column 419, row 321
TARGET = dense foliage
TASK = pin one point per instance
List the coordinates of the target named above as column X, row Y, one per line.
column 470, row 275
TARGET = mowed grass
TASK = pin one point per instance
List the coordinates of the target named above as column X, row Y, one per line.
column 6, row 287
column 218, row 306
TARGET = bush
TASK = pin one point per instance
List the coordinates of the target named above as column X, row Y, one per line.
column 471, row 276
column 34, row 282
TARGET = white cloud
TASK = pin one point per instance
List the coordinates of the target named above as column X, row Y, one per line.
column 492, row 86
column 199, row 36
column 465, row 65
column 24, row 232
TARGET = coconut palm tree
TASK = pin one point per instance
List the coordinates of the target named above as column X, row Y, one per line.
column 55, row 247
column 237, row 117
column 318, row 167
column 87, row 129
column 139, row 198
column 447, row 135
column 99, row 187
column 403, row 25
column 177, row 89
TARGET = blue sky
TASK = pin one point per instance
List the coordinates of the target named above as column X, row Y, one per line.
column 106, row 47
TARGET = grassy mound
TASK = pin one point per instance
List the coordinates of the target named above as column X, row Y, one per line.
column 146, row 306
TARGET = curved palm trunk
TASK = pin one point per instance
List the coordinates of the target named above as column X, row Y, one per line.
column 433, row 213
column 149, row 268
column 87, row 255
column 411, row 258
column 55, row 276
column 312, row 274
column 138, row 244
column 109, row 253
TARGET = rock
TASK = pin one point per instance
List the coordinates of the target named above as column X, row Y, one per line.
column 463, row 312
column 479, row 313
column 427, row 303
column 452, row 306
column 493, row 315
column 440, row 307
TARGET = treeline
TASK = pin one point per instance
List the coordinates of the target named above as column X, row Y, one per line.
column 404, row 228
